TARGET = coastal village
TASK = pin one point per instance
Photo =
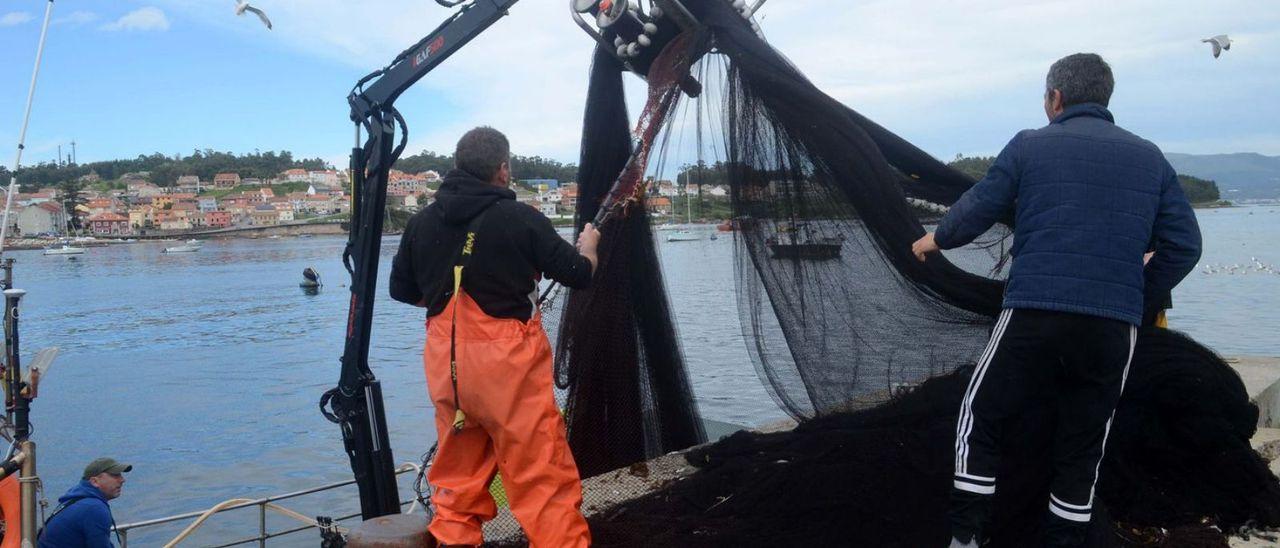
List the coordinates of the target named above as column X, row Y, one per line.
column 133, row 206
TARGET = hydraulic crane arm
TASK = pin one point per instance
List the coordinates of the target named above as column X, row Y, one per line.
column 414, row 63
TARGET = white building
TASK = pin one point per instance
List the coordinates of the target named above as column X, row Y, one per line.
column 189, row 183
column 666, row 188
column 42, row 217
column 207, row 204
column 549, row 196
column 326, row 177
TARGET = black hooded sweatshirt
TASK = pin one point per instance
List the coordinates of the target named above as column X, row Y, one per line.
column 515, row 246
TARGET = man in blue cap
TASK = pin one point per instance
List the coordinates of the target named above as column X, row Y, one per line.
column 83, row 517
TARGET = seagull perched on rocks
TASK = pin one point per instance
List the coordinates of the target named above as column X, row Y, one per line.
column 1220, row 42
column 242, row 6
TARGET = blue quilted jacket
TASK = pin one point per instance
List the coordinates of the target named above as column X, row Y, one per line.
column 1088, row 199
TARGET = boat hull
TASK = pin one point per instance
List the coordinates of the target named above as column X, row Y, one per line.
column 805, row 251
column 65, row 251
column 683, row 237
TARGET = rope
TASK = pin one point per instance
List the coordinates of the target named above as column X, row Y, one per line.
column 417, row 485
column 271, row 506
column 232, row 502
column 423, row 493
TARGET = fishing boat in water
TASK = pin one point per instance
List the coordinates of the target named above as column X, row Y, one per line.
column 64, row 249
column 683, row 236
column 191, row 246
column 798, row 241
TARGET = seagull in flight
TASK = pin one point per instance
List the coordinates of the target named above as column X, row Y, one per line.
column 1220, row 42
column 242, row 6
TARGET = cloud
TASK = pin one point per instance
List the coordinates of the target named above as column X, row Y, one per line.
column 965, row 76
column 526, row 75
column 949, row 76
column 14, row 18
column 76, row 18
column 886, row 52
column 142, row 19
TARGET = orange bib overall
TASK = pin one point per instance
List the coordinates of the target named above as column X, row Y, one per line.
column 512, row 426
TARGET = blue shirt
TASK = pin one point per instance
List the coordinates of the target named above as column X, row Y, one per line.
column 84, row 522
column 1088, row 199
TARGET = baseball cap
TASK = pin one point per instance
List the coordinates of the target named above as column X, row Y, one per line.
column 105, row 464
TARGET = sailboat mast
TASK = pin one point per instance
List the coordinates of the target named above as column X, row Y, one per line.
column 688, row 209
column 22, row 135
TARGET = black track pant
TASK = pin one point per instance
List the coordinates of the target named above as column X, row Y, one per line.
column 1037, row 357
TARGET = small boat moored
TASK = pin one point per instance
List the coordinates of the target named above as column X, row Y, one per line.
column 683, row 236
column 310, row 279
column 187, row 248
column 799, row 242
column 64, row 249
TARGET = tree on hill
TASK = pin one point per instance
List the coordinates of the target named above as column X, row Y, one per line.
column 973, row 166
column 165, row 170
column 69, row 196
column 425, row 161
column 703, row 174
column 1197, row 190
column 522, row 167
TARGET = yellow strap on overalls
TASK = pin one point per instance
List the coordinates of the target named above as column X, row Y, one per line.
column 459, row 418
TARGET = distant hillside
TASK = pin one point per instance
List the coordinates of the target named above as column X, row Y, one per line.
column 1243, row 175
column 1197, row 190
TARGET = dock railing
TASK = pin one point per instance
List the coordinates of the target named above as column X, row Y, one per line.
column 262, row 505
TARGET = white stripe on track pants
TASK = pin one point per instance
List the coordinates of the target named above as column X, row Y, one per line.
column 1075, row 362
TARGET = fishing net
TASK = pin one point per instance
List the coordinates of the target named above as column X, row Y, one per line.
column 808, row 180
column 869, row 348
column 827, row 333
column 628, row 394
column 881, row 476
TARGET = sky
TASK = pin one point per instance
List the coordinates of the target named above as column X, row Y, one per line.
column 123, row 77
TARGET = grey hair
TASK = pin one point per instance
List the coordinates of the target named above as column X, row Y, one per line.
column 481, row 152
column 1082, row 78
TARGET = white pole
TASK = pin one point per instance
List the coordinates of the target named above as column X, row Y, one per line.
column 22, row 135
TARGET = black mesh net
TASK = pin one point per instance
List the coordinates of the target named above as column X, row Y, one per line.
column 824, row 242
column 1181, row 467
column 869, row 348
column 617, row 351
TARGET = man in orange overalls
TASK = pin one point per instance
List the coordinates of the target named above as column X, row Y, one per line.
column 473, row 258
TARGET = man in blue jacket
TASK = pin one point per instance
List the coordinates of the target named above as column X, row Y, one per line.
column 83, row 517
column 1088, row 199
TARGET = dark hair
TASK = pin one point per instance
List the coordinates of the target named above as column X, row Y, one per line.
column 481, row 152
column 1082, row 78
